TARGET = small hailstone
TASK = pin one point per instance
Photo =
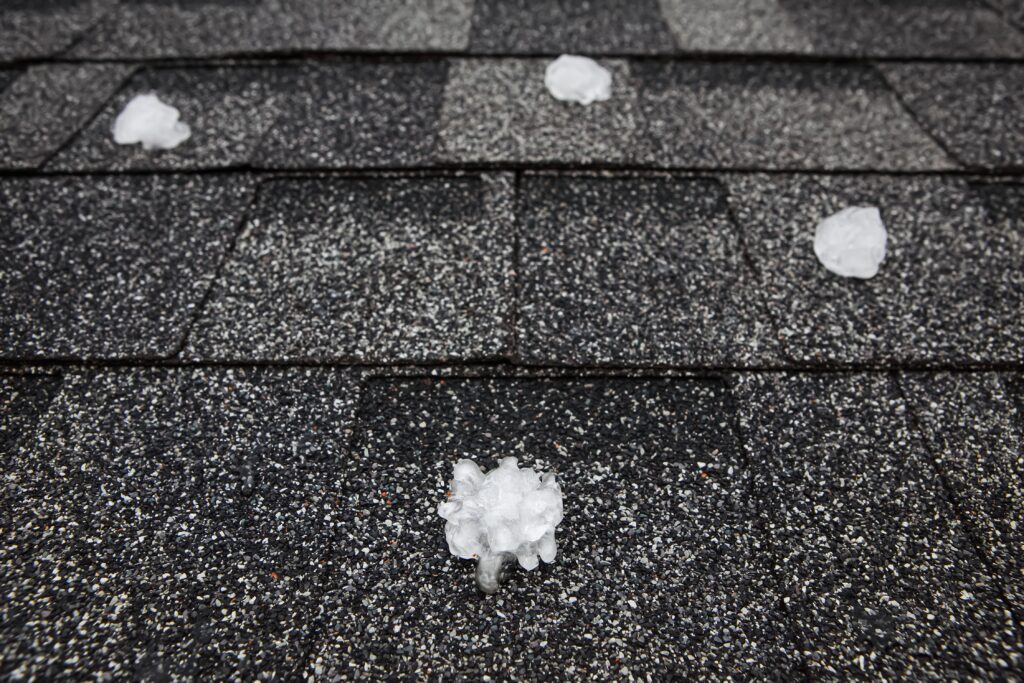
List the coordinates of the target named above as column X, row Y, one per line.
column 578, row 79
column 508, row 511
column 851, row 242
column 148, row 120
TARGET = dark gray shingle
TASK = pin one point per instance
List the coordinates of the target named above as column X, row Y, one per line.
column 368, row 269
column 109, row 267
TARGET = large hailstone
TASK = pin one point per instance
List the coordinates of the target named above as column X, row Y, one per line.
column 578, row 79
column 148, row 120
column 851, row 242
column 504, row 513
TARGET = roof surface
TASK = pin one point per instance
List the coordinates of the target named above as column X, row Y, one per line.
column 234, row 376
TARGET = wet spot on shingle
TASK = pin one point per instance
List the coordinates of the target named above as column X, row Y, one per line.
column 23, row 399
column 357, row 114
column 46, row 106
column 659, row 572
column 950, row 288
column 380, row 269
column 109, row 267
column 174, row 524
column 634, row 270
column 882, row 578
column 557, row 26
column 973, row 109
column 974, row 427
column 499, row 110
column 777, row 115
column 227, row 109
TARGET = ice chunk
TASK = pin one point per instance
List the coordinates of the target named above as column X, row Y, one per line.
column 851, row 243
column 504, row 513
column 148, row 120
column 578, row 79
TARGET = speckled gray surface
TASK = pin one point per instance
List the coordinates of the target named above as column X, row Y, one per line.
column 973, row 425
column 227, row 109
column 43, row 108
column 660, row 572
column 357, row 114
column 950, row 289
column 882, row 580
column 778, row 116
column 368, row 269
column 23, row 398
column 1012, row 10
column 32, row 29
column 174, row 524
column 559, row 26
column 108, row 267
column 635, row 270
column 499, row 110
column 946, row 28
column 972, row 109
column 204, row 28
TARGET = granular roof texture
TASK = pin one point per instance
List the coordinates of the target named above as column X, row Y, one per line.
column 235, row 375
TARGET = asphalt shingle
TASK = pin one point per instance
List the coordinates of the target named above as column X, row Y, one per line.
column 499, row 110
column 381, row 269
column 778, row 116
column 109, row 267
column 874, row 28
column 44, row 108
column 173, row 525
column 882, row 579
column 950, row 289
column 972, row 109
column 558, row 26
column 634, row 270
column 23, row 399
column 1013, row 10
column 31, row 29
column 659, row 572
column 205, row 28
column 228, row 110
column 357, row 114
column 974, row 427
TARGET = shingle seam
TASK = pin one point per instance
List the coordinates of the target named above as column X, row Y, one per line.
column 977, row 544
column 200, row 308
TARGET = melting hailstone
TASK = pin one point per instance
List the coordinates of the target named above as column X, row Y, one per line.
column 578, row 79
column 504, row 513
column 851, row 242
column 148, row 120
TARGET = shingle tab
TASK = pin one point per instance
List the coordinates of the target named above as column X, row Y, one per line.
column 48, row 104
column 559, row 26
column 228, row 109
column 499, row 110
column 659, row 573
column 357, row 114
column 31, row 29
column 974, row 110
column 109, row 267
column 634, row 270
column 874, row 28
column 778, row 116
column 174, row 524
column 950, row 290
column 974, row 426
column 368, row 269
column 882, row 579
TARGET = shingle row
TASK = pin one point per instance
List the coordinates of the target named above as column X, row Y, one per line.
column 550, row 269
column 278, row 523
column 715, row 115
column 128, row 29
